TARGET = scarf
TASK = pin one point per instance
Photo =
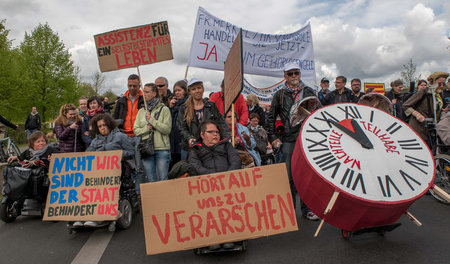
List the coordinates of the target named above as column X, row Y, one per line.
column 92, row 113
column 296, row 92
column 152, row 104
column 36, row 154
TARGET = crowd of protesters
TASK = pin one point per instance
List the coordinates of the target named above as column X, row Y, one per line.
column 263, row 134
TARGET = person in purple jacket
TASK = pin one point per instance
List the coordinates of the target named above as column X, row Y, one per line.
column 68, row 129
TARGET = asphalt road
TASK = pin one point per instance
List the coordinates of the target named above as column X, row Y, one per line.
column 28, row 240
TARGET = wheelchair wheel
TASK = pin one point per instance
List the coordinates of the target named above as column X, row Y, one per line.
column 8, row 212
column 126, row 219
column 442, row 178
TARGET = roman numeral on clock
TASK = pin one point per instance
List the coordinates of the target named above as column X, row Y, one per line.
column 393, row 128
column 350, row 112
column 406, row 177
column 386, row 186
column 410, row 144
column 316, row 146
column 316, row 130
column 324, row 160
column 325, row 117
column 358, row 180
column 416, row 162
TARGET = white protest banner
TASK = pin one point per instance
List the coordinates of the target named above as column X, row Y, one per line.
column 264, row 95
column 263, row 54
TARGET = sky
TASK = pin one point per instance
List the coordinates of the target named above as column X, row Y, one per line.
column 366, row 39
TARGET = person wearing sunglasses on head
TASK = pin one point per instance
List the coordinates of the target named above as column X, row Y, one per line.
column 164, row 94
column 294, row 91
column 341, row 94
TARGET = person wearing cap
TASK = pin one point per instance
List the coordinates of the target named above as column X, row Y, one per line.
column 341, row 94
column 240, row 106
column 193, row 112
column 294, row 90
column 356, row 88
column 324, row 85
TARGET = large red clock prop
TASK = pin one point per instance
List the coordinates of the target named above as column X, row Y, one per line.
column 361, row 165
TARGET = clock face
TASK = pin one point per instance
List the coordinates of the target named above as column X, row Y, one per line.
column 367, row 153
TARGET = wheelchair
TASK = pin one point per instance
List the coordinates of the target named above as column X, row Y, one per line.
column 128, row 202
column 25, row 189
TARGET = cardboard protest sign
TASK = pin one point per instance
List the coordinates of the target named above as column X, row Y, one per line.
column 234, row 73
column 210, row 209
column 84, row 186
column 263, row 54
column 131, row 47
column 379, row 87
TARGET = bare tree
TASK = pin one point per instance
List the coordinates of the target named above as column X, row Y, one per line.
column 408, row 73
column 97, row 82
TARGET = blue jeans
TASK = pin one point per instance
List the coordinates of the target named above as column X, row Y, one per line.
column 287, row 148
column 30, row 131
column 157, row 166
column 139, row 173
column 184, row 154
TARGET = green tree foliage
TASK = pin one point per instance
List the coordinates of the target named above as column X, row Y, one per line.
column 48, row 73
column 9, row 77
column 97, row 82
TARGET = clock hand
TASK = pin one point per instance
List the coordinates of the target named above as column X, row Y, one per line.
column 357, row 134
column 364, row 140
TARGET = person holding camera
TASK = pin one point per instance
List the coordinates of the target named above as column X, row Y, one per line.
column 294, row 90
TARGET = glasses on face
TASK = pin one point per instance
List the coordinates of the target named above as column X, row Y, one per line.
column 338, row 82
column 216, row 132
column 293, row 73
column 160, row 85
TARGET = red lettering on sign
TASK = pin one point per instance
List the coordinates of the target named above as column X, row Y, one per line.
column 195, row 228
column 211, row 224
column 178, row 226
column 224, row 216
column 164, row 237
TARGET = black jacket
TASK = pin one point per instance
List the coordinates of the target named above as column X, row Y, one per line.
column 122, row 106
column 27, row 155
column 217, row 158
column 210, row 112
column 33, row 122
column 175, row 137
column 334, row 97
column 401, row 98
column 262, row 116
column 281, row 106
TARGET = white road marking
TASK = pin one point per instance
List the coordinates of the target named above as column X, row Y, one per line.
column 94, row 247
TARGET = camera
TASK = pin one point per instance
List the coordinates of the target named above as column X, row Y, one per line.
column 279, row 127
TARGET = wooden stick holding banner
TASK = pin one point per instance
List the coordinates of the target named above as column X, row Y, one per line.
column 185, row 74
column 142, row 87
column 232, row 125
column 327, row 210
column 414, row 219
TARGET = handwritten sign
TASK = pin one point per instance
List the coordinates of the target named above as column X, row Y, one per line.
column 222, row 207
column 84, row 186
column 131, row 47
column 234, row 73
column 263, row 54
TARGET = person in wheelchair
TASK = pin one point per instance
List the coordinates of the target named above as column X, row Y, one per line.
column 38, row 153
column 263, row 146
column 37, row 159
column 244, row 141
column 212, row 155
column 108, row 137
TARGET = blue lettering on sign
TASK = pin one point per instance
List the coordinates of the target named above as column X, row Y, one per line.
column 73, row 164
column 68, row 180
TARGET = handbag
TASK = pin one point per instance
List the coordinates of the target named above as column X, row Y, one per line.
column 147, row 146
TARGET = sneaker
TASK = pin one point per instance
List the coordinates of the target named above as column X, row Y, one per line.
column 312, row 216
column 90, row 224
column 213, row 247
column 228, row 245
column 77, row 224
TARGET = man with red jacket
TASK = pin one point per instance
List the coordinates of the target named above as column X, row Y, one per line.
column 240, row 107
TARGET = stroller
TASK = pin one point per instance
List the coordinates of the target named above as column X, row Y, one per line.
column 24, row 190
